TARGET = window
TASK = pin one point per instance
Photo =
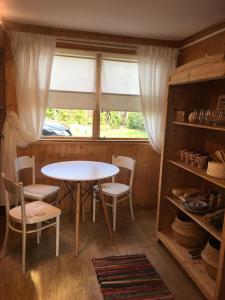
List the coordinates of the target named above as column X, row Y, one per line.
column 72, row 96
column 120, row 101
column 73, row 103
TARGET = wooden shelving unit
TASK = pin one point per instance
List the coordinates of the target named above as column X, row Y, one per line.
column 216, row 128
column 199, row 172
column 201, row 220
column 195, row 86
column 194, row 268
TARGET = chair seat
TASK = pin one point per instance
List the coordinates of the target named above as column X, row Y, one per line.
column 115, row 189
column 37, row 211
column 39, row 191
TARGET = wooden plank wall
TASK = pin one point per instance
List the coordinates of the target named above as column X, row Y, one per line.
column 210, row 46
column 147, row 167
column 146, row 176
column 146, row 172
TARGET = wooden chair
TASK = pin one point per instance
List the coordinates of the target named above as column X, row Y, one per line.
column 117, row 190
column 33, row 191
column 24, row 214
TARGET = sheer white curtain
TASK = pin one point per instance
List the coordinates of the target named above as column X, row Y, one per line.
column 155, row 64
column 33, row 56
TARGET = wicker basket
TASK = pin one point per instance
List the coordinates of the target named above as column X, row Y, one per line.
column 210, row 257
column 188, row 233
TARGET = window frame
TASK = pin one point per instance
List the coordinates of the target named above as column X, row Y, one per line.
column 97, row 111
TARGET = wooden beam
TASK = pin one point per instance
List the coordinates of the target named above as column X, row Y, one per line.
column 87, row 35
column 96, row 114
column 203, row 33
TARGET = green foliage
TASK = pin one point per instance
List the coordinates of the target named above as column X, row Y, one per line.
column 110, row 118
column 135, row 121
column 68, row 116
column 51, row 114
column 114, row 121
column 103, row 118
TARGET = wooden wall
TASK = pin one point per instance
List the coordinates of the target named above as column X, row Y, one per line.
column 147, row 166
column 147, row 170
column 147, row 163
column 210, row 46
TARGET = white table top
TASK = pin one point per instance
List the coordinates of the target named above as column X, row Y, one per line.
column 80, row 170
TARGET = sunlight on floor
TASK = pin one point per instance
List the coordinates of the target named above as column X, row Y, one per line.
column 36, row 278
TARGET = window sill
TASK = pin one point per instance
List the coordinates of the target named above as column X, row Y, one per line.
column 90, row 140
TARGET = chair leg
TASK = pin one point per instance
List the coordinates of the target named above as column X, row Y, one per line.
column 38, row 232
column 57, row 234
column 114, row 213
column 131, row 207
column 23, row 251
column 57, row 199
column 94, row 207
column 6, row 238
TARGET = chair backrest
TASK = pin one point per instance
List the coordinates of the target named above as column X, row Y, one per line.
column 127, row 163
column 15, row 190
column 25, row 162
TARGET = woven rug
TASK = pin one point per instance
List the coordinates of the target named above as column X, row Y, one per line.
column 129, row 277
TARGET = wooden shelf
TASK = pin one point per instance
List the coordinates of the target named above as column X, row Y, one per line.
column 196, row 84
column 201, row 220
column 202, row 69
column 199, row 172
column 215, row 128
column 194, row 267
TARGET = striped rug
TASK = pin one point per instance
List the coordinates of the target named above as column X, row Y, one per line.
column 129, row 277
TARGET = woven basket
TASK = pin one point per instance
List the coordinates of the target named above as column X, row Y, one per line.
column 210, row 257
column 188, row 233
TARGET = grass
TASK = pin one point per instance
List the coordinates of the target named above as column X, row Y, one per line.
column 107, row 132
column 121, row 132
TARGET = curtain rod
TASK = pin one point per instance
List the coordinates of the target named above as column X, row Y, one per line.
column 79, row 41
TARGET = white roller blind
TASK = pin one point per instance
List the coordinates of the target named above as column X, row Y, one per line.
column 71, row 100
column 117, row 102
column 72, row 83
column 120, row 86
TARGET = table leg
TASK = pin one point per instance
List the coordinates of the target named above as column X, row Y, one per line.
column 77, row 219
column 104, row 208
column 83, row 206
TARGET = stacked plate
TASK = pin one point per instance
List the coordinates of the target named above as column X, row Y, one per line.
column 196, row 205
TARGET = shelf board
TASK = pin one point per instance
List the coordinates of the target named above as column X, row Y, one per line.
column 194, row 267
column 215, row 128
column 199, row 172
column 200, row 219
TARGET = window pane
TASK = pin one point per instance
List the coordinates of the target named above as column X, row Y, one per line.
column 120, row 77
column 73, row 74
column 68, row 122
column 122, row 124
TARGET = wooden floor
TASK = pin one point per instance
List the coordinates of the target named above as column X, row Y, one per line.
column 69, row 277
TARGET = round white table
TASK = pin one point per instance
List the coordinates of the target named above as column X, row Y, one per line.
column 78, row 172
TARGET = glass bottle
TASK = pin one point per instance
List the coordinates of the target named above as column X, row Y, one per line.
column 201, row 117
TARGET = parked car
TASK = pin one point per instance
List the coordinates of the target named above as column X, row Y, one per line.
column 55, row 128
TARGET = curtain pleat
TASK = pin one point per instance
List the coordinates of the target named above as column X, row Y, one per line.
column 155, row 65
column 33, row 55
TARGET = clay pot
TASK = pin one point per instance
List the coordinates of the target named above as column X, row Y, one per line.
column 210, row 257
column 188, row 233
